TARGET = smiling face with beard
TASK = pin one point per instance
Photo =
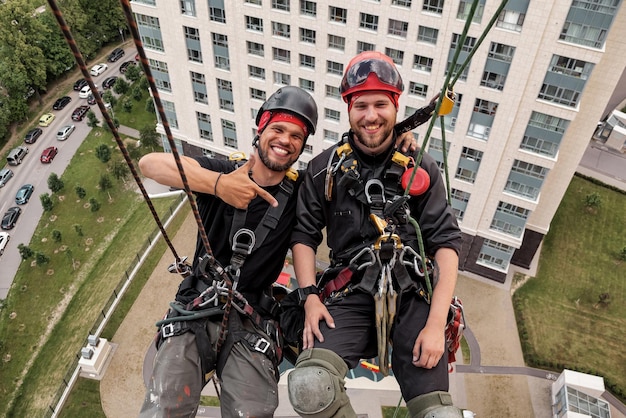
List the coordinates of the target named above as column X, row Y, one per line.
column 372, row 118
column 280, row 145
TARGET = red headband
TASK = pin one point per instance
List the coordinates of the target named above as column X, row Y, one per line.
column 267, row 117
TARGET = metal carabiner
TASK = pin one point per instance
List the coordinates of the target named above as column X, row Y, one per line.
column 368, row 195
column 360, row 254
column 248, row 246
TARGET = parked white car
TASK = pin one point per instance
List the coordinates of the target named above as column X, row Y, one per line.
column 4, row 239
column 84, row 92
column 98, row 69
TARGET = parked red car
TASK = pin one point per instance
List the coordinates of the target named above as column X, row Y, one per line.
column 48, row 155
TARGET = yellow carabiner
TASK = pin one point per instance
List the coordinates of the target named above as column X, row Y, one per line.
column 447, row 103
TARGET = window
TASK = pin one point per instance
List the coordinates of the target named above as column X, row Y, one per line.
column 482, row 119
column 422, row 63
column 525, row 179
column 216, row 11
column 281, row 5
column 367, row 21
column 402, row 3
column 465, row 6
column 364, row 46
column 434, row 6
column 256, row 72
column 497, row 66
column 511, row 19
column 337, row 14
column 333, row 91
column 229, row 131
column 308, row 148
column 469, row 162
column 307, row 61
column 333, row 67
column 281, row 29
column 331, row 136
column 225, row 95
column 281, row 55
column 170, row 113
column 464, row 53
column 255, row 48
column 204, row 126
column 220, row 51
column 336, row 42
column 188, row 7
column 307, row 35
column 543, row 134
column 495, row 255
column 510, row 219
column 148, row 2
column 192, row 40
column 308, row 8
column 198, row 83
column 254, row 24
column 331, row 114
column 161, row 75
column 426, row 34
column 282, row 79
column 565, row 80
column 397, row 28
column 450, row 118
column 307, row 84
column 255, row 2
column 395, row 54
column 418, row 89
column 257, row 94
column 459, row 202
column 150, row 32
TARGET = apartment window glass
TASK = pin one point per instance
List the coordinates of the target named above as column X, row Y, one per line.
column 333, row 91
column 513, row 15
column 198, row 83
column 229, row 131
column 497, row 65
column 510, row 219
column 465, row 7
column 257, row 94
column 161, row 75
column 465, row 50
column 469, row 163
column 256, row 72
column 435, row 149
column 333, row 67
column 331, row 136
column 526, row 179
column 188, row 7
column 255, row 2
column 495, row 255
column 337, row 14
column 254, row 24
column 458, row 202
column 216, row 11
column 450, row 119
column 364, row 46
column 307, row 61
column 482, row 118
column 204, row 126
column 395, row 54
column 148, row 2
column 307, row 85
column 220, row 51
column 543, row 134
column 336, row 42
column 308, row 8
column 331, row 114
column 225, row 95
column 565, row 80
column 428, row 35
column 255, row 48
column 422, row 63
column 281, row 29
column 282, row 79
column 150, row 32
column 281, row 55
column 170, row 113
column 433, row 6
column 398, row 28
column 588, row 22
column 418, row 89
column 367, row 21
column 281, row 5
column 402, row 3
column 192, row 40
column 307, row 36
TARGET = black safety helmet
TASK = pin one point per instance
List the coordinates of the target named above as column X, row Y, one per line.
column 293, row 100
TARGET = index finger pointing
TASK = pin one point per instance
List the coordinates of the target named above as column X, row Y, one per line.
column 266, row 195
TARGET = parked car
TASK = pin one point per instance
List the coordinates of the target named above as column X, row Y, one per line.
column 4, row 240
column 80, row 112
column 61, row 102
column 32, row 135
column 5, row 176
column 46, row 119
column 48, row 155
column 65, row 132
column 109, row 82
column 116, row 54
column 10, row 217
column 84, row 92
column 80, row 83
column 98, row 69
column 24, row 193
column 91, row 99
column 125, row 66
column 16, row 155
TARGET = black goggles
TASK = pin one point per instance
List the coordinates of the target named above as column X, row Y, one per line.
column 358, row 73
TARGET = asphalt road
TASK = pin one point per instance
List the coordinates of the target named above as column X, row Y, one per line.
column 32, row 171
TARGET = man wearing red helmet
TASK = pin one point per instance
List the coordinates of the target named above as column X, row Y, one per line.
column 348, row 190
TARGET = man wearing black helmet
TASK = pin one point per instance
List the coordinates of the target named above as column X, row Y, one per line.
column 375, row 299
column 233, row 201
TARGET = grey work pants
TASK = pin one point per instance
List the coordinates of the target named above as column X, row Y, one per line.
column 248, row 381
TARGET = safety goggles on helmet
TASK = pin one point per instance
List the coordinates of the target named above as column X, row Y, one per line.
column 357, row 77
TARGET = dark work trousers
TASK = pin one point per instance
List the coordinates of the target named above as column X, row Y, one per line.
column 248, row 381
column 354, row 338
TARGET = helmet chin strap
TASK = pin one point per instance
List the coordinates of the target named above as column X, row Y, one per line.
column 255, row 141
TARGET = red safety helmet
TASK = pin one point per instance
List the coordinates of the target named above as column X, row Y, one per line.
column 371, row 71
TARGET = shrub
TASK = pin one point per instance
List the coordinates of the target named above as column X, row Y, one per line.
column 46, row 202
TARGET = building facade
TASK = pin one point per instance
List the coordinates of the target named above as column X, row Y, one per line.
column 528, row 100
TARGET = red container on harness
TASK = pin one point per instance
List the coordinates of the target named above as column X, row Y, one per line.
column 420, row 183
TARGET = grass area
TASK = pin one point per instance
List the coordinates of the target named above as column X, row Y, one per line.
column 561, row 322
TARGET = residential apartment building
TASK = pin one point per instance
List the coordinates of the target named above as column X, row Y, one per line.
column 527, row 103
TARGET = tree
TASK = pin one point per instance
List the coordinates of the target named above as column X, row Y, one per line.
column 150, row 105
column 92, row 119
column 593, row 201
column 105, row 182
column 41, row 258
column 133, row 73
column 103, row 153
column 55, row 184
column 136, row 93
column 25, row 251
column 46, row 202
column 59, row 58
column 80, row 191
column 121, row 86
column 108, row 97
column 120, row 170
column 95, row 205
column 56, row 235
column 622, row 254
column 149, row 137
column 79, row 230
column 127, row 104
